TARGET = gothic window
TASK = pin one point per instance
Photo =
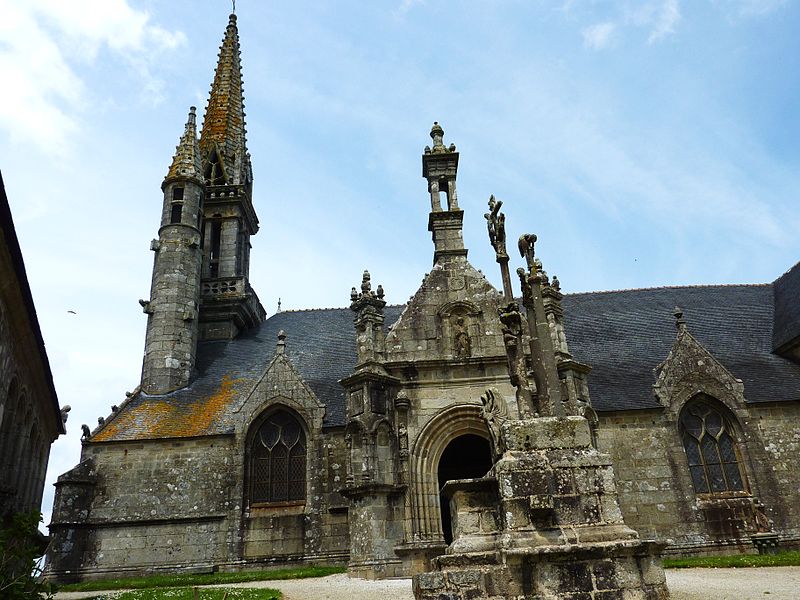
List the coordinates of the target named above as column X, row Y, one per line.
column 213, row 171
column 278, row 460
column 709, row 440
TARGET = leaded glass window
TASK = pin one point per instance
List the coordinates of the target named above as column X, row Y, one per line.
column 278, row 460
column 708, row 438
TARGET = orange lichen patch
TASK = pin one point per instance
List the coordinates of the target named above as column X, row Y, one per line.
column 161, row 419
column 223, row 125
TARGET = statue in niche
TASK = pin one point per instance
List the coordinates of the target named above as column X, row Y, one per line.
column 462, row 344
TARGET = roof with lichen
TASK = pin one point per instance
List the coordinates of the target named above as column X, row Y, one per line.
column 623, row 335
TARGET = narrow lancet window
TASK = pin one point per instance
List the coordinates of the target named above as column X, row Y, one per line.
column 177, row 213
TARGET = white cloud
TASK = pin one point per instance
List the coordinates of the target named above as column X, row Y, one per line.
column 43, row 43
column 599, row 35
column 668, row 16
column 405, row 6
column 749, row 8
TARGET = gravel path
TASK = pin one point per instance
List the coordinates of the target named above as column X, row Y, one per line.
column 772, row 583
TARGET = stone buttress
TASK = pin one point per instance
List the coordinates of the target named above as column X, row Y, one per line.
column 373, row 483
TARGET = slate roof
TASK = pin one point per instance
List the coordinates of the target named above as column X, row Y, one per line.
column 622, row 335
column 320, row 345
column 786, row 289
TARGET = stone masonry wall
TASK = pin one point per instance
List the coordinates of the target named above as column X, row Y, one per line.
column 779, row 426
column 160, row 504
column 27, row 419
column 655, row 490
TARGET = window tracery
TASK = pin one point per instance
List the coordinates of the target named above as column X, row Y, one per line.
column 278, row 460
column 709, row 440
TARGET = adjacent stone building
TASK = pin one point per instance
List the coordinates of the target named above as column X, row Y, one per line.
column 325, row 436
column 30, row 418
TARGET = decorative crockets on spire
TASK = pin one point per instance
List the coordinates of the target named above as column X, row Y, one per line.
column 440, row 167
column 223, row 140
column 187, row 161
column 229, row 304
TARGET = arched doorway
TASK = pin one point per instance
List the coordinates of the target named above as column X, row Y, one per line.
column 465, row 457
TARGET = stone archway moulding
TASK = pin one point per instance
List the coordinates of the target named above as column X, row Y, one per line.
column 443, row 428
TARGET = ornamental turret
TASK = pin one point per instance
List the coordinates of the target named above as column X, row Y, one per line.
column 440, row 167
column 172, row 329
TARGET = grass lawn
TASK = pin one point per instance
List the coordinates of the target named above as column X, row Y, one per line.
column 188, row 593
column 784, row 559
column 171, row 581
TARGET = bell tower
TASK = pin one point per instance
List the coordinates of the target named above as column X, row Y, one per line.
column 228, row 305
column 440, row 167
column 171, row 340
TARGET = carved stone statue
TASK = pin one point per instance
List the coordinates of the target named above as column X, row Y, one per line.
column 525, row 245
column 496, row 223
column 86, row 433
column 462, row 343
column 495, row 413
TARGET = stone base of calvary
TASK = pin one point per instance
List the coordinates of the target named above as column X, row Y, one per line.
column 544, row 522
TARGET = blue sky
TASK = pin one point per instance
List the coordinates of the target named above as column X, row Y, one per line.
column 646, row 143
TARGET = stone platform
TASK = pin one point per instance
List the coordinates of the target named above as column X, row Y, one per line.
column 543, row 524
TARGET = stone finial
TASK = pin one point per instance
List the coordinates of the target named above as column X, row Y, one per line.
column 353, row 294
column 100, row 420
column 281, row 345
column 279, row 305
column 379, row 293
column 680, row 322
column 366, row 286
column 437, row 134
column 556, row 283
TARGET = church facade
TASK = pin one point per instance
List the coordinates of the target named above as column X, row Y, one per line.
column 325, row 436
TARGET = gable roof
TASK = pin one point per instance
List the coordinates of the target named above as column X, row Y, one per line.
column 624, row 335
column 320, row 344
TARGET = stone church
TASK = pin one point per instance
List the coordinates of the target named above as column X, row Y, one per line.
column 325, row 436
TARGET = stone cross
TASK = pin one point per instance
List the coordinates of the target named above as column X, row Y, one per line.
column 496, row 224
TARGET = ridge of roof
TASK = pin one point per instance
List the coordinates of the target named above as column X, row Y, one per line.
column 306, row 310
column 670, row 287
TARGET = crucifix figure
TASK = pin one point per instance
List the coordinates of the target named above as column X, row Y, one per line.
column 496, row 224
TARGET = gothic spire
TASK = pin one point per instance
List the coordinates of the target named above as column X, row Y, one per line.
column 187, row 161
column 223, row 140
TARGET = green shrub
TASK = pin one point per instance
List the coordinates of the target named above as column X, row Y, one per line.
column 20, row 546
